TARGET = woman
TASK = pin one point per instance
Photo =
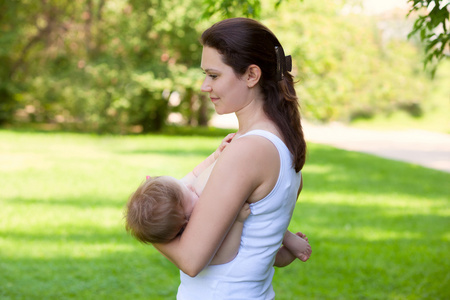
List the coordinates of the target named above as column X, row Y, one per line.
column 246, row 74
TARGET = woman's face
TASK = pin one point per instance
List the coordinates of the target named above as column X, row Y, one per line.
column 228, row 92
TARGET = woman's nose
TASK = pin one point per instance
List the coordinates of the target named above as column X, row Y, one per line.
column 205, row 86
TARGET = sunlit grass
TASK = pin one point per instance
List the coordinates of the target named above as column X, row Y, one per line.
column 379, row 229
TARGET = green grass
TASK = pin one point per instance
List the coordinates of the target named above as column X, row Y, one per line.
column 379, row 229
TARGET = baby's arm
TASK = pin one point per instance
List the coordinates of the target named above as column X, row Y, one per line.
column 230, row 245
column 191, row 176
column 294, row 246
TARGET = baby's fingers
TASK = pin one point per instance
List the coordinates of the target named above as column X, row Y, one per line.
column 229, row 137
column 246, row 209
column 226, row 141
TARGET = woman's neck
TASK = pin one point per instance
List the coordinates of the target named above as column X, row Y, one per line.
column 253, row 117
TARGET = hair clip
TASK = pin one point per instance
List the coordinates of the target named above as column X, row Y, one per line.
column 288, row 62
column 284, row 63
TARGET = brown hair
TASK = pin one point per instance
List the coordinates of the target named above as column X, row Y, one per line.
column 243, row 42
column 154, row 212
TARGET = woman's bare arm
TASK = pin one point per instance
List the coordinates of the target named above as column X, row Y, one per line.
column 242, row 168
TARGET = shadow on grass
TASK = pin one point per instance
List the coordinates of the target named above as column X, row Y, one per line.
column 354, row 268
column 169, row 152
column 138, row 274
column 334, row 170
column 80, row 202
column 370, row 222
column 173, row 130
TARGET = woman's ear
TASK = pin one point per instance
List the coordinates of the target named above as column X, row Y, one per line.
column 252, row 75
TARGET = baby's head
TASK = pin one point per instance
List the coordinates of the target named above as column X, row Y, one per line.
column 158, row 210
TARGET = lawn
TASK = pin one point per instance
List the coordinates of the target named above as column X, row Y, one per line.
column 379, row 229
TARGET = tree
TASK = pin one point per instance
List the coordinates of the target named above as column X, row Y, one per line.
column 234, row 8
column 116, row 65
column 433, row 27
column 96, row 65
column 231, row 8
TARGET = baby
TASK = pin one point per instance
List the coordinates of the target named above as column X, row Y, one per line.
column 159, row 210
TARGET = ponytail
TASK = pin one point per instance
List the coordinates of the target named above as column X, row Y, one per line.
column 282, row 107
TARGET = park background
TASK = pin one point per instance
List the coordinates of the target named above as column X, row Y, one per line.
column 95, row 95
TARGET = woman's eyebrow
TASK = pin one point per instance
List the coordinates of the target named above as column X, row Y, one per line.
column 210, row 70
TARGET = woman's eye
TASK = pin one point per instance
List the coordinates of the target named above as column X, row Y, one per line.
column 212, row 76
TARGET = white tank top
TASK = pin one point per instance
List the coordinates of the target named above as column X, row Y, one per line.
column 249, row 274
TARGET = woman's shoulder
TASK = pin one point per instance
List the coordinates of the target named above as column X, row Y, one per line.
column 255, row 143
column 249, row 166
column 248, row 155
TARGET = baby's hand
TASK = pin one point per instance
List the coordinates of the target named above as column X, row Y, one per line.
column 244, row 213
column 223, row 144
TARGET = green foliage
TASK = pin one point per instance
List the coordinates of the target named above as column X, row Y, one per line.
column 435, row 109
column 232, row 8
column 378, row 228
column 434, row 29
column 100, row 66
column 347, row 68
column 125, row 65
column 7, row 103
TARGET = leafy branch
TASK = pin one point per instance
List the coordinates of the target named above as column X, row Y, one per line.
column 433, row 30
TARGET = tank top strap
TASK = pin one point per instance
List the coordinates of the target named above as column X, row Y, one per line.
column 279, row 144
